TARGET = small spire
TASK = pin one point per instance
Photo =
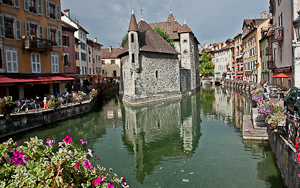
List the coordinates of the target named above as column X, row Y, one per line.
column 170, row 9
column 132, row 11
column 142, row 13
column 184, row 22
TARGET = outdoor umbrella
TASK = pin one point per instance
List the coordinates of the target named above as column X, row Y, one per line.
column 281, row 75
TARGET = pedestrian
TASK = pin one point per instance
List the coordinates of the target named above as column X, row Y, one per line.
column 45, row 102
column 266, row 88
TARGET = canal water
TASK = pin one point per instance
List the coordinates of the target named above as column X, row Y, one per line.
column 195, row 141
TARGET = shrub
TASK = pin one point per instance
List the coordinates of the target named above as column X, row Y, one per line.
column 79, row 97
column 7, row 105
column 54, row 103
column 37, row 165
column 94, row 93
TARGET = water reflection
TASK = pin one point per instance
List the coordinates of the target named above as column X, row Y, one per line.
column 155, row 131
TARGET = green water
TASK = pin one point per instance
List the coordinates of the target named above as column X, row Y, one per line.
column 195, row 141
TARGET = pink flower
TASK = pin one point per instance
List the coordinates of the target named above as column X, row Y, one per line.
column 87, row 164
column 77, row 165
column 90, row 152
column 60, row 143
column 50, row 142
column 84, row 143
column 110, row 186
column 9, row 148
column 97, row 181
column 68, row 139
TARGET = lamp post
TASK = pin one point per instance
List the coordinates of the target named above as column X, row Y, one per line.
column 296, row 50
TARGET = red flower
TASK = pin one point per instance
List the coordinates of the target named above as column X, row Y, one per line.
column 68, row 139
column 297, row 145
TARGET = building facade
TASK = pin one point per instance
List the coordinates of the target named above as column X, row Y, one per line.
column 31, row 49
column 110, row 64
column 237, row 65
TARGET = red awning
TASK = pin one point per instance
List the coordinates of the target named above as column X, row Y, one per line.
column 238, row 76
column 281, row 75
column 33, row 80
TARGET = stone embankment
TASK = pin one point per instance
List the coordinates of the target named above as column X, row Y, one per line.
column 284, row 151
column 19, row 122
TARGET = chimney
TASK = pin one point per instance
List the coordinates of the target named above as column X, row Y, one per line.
column 264, row 15
column 76, row 21
column 95, row 40
column 109, row 48
column 67, row 12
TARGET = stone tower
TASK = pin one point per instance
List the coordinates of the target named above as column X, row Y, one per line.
column 133, row 44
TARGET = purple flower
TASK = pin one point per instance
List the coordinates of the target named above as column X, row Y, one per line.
column 16, row 143
column 110, row 186
column 97, row 181
column 60, row 143
column 50, row 142
column 87, row 164
column 97, row 158
column 124, row 181
column 84, row 143
column 90, row 152
column 18, row 158
column 9, row 148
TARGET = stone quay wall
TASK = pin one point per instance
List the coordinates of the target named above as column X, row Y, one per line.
column 285, row 155
column 17, row 123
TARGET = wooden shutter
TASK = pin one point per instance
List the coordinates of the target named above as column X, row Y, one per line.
column 41, row 34
column 56, row 64
column 15, row 61
column 58, row 13
column 52, row 64
column 17, row 3
column 58, row 38
column 8, row 61
column 48, row 33
column 27, row 29
column 26, row 7
column 47, row 7
column 1, row 26
column 18, row 29
column 40, row 7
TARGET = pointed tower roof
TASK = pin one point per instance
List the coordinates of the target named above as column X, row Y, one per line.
column 185, row 29
column 133, row 25
column 171, row 17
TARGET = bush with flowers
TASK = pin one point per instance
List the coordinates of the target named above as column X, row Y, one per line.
column 54, row 102
column 7, row 105
column 37, row 164
column 257, row 95
column 276, row 119
column 265, row 107
column 94, row 93
column 79, row 97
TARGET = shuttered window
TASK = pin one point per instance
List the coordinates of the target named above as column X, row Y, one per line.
column 35, row 63
column 58, row 38
column 18, row 29
column 27, row 28
column 11, row 61
column 40, row 7
column 41, row 33
column 54, row 64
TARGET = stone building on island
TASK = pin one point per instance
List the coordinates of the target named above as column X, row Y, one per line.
column 151, row 69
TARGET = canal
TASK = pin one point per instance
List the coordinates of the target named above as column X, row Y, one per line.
column 195, row 141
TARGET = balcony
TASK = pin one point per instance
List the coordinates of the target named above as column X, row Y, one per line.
column 276, row 34
column 37, row 44
column 271, row 65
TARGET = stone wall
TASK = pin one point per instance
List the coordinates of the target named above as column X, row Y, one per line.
column 17, row 123
column 185, row 80
column 286, row 158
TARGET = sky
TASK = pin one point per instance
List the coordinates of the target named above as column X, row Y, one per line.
column 211, row 21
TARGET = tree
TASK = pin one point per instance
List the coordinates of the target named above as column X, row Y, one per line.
column 163, row 33
column 206, row 66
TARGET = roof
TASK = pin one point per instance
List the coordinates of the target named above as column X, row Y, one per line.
column 105, row 54
column 79, row 26
column 185, row 29
column 150, row 41
column 253, row 22
column 67, row 26
column 132, row 25
column 171, row 26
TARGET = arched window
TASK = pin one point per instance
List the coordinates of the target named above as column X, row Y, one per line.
column 132, row 38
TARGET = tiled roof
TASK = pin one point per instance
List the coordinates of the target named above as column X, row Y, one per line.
column 171, row 17
column 68, row 26
column 105, row 54
column 185, row 29
column 172, row 27
column 132, row 26
column 150, row 41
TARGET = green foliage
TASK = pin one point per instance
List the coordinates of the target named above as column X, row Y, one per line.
column 7, row 105
column 206, row 66
column 79, row 97
column 38, row 165
column 163, row 33
column 54, row 103
column 124, row 40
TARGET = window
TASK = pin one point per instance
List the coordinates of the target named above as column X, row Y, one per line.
column 93, row 71
column 132, row 58
column 279, row 2
column 15, row 3
column 93, row 60
column 11, row 61
column 103, row 62
column 8, row 28
column 112, row 62
column 280, row 20
column 54, row 35
column 35, row 62
column 132, row 37
column 52, row 10
column 54, row 64
column 32, row 29
column 65, row 40
column 275, row 56
column 102, row 71
column 66, row 60
column 156, row 74
column 89, row 59
column 31, row 5
column 82, row 45
column 115, row 73
column 83, row 56
column 77, row 55
column 90, row 70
